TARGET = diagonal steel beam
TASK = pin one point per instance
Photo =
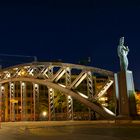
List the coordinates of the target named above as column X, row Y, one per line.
column 58, row 75
column 103, row 89
column 78, row 80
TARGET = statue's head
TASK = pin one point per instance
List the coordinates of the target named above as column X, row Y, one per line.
column 121, row 43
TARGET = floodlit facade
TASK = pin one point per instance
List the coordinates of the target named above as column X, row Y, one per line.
column 14, row 109
column 137, row 95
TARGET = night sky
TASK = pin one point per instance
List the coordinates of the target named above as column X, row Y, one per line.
column 72, row 31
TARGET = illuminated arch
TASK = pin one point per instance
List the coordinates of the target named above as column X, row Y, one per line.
column 42, row 74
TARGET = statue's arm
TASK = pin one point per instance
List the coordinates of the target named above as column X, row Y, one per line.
column 126, row 48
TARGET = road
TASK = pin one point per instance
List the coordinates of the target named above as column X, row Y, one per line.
column 69, row 131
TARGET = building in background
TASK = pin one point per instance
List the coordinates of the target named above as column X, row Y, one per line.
column 15, row 110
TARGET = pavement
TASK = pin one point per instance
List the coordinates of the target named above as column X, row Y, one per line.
column 70, row 130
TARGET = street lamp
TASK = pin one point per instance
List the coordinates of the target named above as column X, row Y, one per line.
column 44, row 113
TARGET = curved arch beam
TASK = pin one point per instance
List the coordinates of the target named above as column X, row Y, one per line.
column 59, row 64
column 66, row 91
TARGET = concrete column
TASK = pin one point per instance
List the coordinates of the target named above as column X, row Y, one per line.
column 125, row 94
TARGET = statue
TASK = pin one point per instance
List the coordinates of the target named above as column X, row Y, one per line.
column 122, row 53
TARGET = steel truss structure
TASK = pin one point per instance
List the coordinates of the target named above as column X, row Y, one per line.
column 56, row 76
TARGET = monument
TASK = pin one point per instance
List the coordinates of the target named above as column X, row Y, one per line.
column 124, row 85
column 122, row 53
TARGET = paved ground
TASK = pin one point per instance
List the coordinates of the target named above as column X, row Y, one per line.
column 70, row 131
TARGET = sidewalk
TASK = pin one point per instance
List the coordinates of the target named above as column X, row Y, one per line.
column 70, row 130
column 103, row 123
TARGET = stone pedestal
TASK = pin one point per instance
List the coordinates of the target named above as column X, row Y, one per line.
column 125, row 95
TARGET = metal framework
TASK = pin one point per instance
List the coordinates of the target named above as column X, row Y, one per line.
column 51, row 104
column 69, row 98
column 56, row 76
column 89, row 89
column 90, row 85
column 2, row 109
column 23, row 100
column 12, row 97
column 35, row 100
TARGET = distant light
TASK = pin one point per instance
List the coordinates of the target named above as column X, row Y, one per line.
column 23, row 84
column 105, row 104
column 44, row 113
column 36, row 85
column 69, row 96
column 103, row 99
column 2, row 87
column 22, row 72
column 50, row 89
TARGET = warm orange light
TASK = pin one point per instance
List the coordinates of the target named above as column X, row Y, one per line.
column 44, row 113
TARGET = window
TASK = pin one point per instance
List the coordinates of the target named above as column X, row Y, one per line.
column 28, row 94
column 18, row 94
column 28, row 103
column 29, row 111
column 19, row 103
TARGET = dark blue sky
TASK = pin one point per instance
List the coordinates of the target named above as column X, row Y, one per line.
column 72, row 31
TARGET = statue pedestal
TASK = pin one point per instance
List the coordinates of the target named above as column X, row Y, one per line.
column 125, row 95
